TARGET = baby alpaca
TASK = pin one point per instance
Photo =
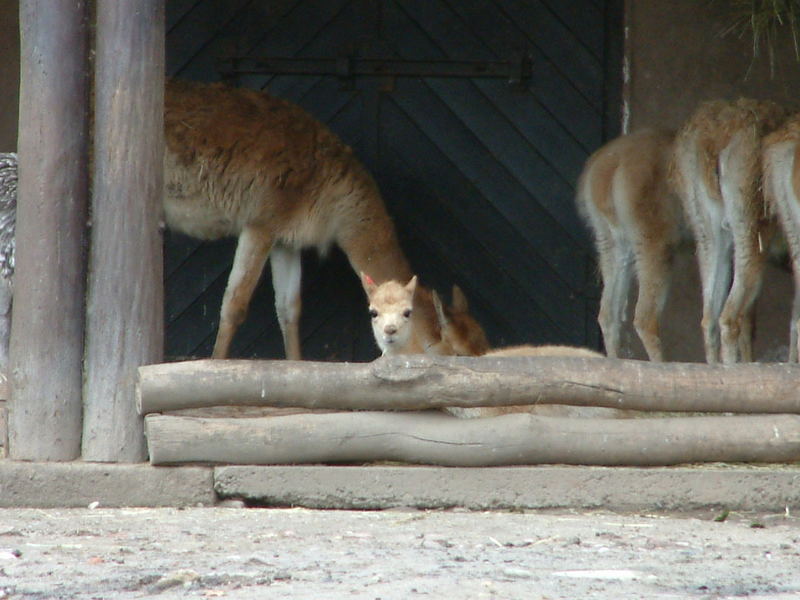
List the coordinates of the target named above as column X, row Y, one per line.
column 400, row 320
column 395, row 323
column 459, row 334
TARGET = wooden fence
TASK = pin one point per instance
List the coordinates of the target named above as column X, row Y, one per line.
column 381, row 411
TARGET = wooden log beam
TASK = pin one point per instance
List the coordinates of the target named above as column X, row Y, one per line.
column 52, row 208
column 124, row 327
column 422, row 382
column 438, row 439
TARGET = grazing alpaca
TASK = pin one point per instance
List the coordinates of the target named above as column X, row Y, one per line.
column 717, row 173
column 624, row 196
column 243, row 163
column 781, row 157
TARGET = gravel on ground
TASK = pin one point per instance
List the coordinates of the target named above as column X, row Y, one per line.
column 236, row 552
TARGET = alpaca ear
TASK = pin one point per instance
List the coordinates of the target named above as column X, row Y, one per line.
column 441, row 316
column 368, row 283
column 412, row 285
column 460, row 303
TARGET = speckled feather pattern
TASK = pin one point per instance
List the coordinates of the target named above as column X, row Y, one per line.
column 8, row 212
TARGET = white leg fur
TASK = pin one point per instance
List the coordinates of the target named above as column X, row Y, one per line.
column 736, row 316
column 287, row 270
column 248, row 262
column 615, row 260
column 714, row 247
column 616, row 269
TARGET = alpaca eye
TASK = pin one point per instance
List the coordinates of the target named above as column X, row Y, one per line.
column 373, row 313
column 407, row 313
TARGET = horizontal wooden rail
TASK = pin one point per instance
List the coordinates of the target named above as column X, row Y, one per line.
column 436, row 438
column 424, row 382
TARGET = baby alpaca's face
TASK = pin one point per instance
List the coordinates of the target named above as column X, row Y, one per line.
column 390, row 308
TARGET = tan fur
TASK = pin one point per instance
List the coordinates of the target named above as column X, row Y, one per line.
column 547, row 410
column 542, row 410
column 717, row 173
column 242, row 163
column 460, row 334
column 546, row 350
column 781, row 157
column 391, row 306
column 456, row 333
column 398, row 324
column 623, row 195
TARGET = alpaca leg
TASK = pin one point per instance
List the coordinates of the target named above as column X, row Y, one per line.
column 287, row 270
column 248, row 263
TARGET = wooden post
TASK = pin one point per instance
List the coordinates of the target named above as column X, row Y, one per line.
column 48, row 322
column 124, row 327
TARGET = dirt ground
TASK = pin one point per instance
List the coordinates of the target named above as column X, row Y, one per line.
column 298, row 553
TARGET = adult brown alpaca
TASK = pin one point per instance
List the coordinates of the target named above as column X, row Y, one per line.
column 781, row 156
column 242, row 163
column 717, row 173
column 624, row 196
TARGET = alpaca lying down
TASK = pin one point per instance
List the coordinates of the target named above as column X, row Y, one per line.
column 391, row 307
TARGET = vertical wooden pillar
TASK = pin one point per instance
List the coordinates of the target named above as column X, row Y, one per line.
column 47, row 331
column 124, row 319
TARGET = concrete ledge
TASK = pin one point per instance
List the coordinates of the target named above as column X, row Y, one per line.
column 767, row 488
column 78, row 484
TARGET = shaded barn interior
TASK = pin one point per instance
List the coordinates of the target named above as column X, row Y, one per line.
column 477, row 172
